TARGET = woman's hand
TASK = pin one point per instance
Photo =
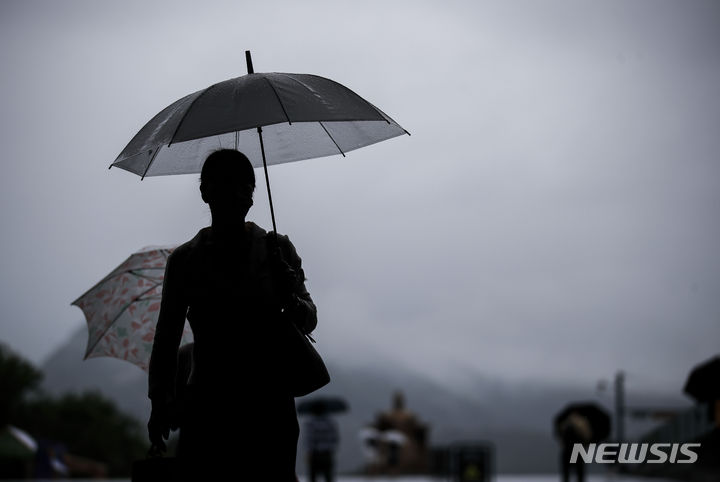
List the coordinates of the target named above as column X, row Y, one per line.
column 159, row 427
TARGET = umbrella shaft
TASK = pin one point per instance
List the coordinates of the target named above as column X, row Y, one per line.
column 267, row 181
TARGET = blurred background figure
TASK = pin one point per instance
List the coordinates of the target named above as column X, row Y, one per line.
column 321, row 435
column 321, row 443
column 574, row 429
column 703, row 382
column 398, row 441
column 579, row 423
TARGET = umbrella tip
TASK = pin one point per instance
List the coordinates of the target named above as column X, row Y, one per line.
column 248, row 60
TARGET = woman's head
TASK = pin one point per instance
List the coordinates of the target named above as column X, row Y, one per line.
column 227, row 180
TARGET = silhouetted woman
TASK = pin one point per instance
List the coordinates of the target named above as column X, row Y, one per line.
column 235, row 283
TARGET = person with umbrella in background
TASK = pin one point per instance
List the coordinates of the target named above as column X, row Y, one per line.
column 321, row 442
column 321, row 435
column 579, row 423
column 239, row 416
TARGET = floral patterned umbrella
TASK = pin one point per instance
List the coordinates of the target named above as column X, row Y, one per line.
column 122, row 309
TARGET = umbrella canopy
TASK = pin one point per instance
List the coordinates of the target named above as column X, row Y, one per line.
column 703, row 383
column 302, row 116
column 122, row 309
column 271, row 117
column 585, row 416
column 322, row 405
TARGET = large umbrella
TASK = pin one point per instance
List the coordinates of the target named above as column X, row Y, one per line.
column 703, row 383
column 271, row 117
column 582, row 415
column 122, row 309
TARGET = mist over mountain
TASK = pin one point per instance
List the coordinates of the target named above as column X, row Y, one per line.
column 515, row 417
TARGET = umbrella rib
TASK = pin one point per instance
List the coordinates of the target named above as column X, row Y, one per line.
column 282, row 106
column 385, row 117
column 124, row 159
column 182, row 119
column 139, row 275
column 331, row 138
column 151, row 161
column 91, row 348
column 377, row 111
column 106, row 279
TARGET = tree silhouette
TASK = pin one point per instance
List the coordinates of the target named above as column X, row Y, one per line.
column 17, row 378
column 86, row 425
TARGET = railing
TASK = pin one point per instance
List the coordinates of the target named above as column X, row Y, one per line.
column 686, row 426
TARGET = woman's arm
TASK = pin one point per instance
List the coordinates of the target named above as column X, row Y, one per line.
column 302, row 309
column 163, row 360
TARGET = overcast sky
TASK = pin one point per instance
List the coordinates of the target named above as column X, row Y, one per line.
column 554, row 215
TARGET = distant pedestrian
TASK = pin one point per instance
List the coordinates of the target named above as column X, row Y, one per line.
column 575, row 429
column 321, row 441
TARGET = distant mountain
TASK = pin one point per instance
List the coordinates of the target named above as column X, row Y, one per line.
column 516, row 419
column 66, row 371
